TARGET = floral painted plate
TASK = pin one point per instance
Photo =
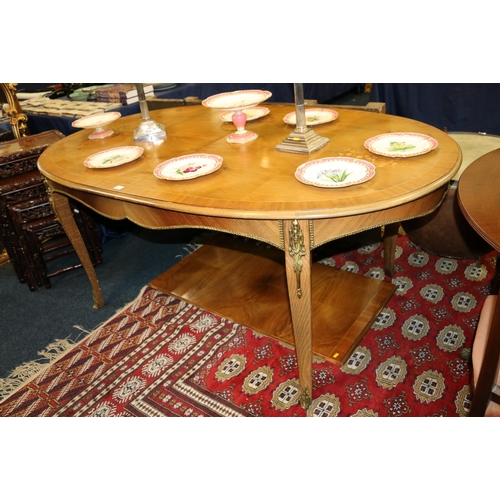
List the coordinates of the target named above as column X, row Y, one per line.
column 113, row 157
column 314, row 116
column 188, row 167
column 239, row 99
column 252, row 114
column 335, row 172
column 401, row 144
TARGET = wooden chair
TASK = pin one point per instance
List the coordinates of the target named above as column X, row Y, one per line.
column 486, row 360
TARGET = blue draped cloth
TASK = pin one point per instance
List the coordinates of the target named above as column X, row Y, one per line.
column 456, row 107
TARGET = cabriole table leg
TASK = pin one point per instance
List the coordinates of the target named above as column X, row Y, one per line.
column 63, row 211
column 298, row 274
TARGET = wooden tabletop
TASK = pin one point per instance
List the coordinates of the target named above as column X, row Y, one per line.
column 479, row 196
column 255, row 181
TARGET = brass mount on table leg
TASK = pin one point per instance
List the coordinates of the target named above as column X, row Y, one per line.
column 305, row 399
column 297, row 250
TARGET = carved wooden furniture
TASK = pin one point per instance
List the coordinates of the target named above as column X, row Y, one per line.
column 479, row 198
column 15, row 190
column 20, row 180
column 28, row 225
column 43, row 239
column 18, row 120
column 256, row 194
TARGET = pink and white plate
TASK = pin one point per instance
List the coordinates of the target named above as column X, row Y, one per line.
column 188, row 167
column 335, row 172
column 251, row 113
column 98, row 121
column 113, row 157
column 401, row 144
column 314, row 116
column 239, row 99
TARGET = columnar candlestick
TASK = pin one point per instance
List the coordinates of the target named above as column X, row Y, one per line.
column 302, row 139
column 148, row 130
column 300, row 111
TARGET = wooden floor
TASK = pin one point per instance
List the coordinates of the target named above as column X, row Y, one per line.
column 245, row 282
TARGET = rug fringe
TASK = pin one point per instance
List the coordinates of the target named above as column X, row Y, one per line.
column 188, row 249
column 26, row 372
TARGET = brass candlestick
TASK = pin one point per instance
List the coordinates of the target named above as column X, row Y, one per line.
column 302, row 139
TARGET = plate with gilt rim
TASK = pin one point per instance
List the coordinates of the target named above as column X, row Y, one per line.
column 314, row 116
column 114, row 157
column 188, row 167
column 335, row 172
column 96, row 120
column 238, row 99
column 401, row 144
column 252, row 114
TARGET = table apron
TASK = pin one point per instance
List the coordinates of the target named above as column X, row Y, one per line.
column 266, row 230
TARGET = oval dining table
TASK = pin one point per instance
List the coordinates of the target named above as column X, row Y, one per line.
column 256, row 195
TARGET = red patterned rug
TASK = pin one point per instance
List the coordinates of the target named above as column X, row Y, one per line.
column 160, row 356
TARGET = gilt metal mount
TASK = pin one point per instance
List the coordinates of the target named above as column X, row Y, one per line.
column 297, row 250
column 305, row 399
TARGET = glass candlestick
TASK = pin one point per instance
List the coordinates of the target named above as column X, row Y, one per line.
column 148, row 130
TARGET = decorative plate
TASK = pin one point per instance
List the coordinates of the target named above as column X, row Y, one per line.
column 188, row 167
column 96, row 120
column 252, row 114
column 113, row 157
column 401, row 144
column 314, row 116
column 239, row 99
column 335, row 172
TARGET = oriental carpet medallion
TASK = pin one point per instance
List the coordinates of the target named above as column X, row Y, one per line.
column 161, row 356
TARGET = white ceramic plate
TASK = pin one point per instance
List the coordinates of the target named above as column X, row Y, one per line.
column 401, row 144
column 314, row 116
column 335, row 172
column 252, row 114
column 97, row 120
column 238, row 99
column 114, row 157
column 188, row 167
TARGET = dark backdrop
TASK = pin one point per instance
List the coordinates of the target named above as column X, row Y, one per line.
column 456, row 107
